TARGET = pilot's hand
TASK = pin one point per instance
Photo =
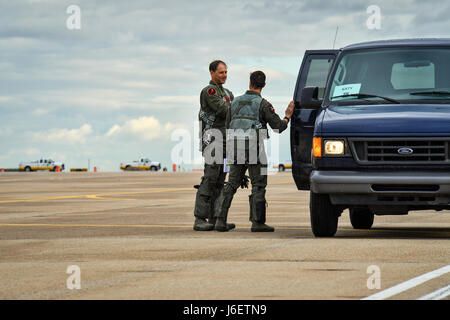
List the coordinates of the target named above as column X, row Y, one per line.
column 290, row 109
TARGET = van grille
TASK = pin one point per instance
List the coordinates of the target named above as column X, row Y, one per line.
column 401, row 150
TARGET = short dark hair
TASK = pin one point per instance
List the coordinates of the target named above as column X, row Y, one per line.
column 258, row 79
column 213, row 65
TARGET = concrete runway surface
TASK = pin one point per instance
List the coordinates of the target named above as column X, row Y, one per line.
column 129, row 236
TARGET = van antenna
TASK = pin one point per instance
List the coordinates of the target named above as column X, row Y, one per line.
column 335, row 36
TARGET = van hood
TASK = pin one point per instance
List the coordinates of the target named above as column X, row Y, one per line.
column 420, row 119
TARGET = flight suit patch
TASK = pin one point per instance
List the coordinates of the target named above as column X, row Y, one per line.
column 211, row 91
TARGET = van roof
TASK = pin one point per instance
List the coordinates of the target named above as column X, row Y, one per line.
column 400, row 42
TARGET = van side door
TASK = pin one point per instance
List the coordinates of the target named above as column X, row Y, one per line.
column 314, row 71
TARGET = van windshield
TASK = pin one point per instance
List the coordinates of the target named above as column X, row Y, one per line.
column 372, row 75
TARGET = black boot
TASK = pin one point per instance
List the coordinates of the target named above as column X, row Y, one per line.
column 230, row 225
column 261, row 227
column 201, row 224
column 221, row 225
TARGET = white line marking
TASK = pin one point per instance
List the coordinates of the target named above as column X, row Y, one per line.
column 438, row 294
column 408, row 284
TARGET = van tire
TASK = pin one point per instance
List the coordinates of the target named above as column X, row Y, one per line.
column 28, row 169
column 361, row 218
column 324, row 216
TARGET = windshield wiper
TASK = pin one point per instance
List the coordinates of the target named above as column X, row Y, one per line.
column 366, row 95
column 438, row 92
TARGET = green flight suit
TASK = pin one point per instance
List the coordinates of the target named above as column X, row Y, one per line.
column 258, row 177
column 217, row 100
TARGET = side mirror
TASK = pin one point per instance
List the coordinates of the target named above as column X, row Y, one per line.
column 309, row 98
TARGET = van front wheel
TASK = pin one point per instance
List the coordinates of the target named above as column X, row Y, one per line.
column 324, row 215
column 361, row 218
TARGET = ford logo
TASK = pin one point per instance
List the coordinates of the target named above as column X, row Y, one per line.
column 405, row 151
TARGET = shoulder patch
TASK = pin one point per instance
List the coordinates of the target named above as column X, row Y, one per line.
column 271, row 108
column 211, row 91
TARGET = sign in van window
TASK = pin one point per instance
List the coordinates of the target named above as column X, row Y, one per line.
column 346, row 89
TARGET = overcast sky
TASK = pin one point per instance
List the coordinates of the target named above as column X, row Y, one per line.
column 118, row 87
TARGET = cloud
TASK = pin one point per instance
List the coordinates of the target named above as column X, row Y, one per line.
column 20, row 153
column 31, row 151
column 64, row 136
column 142, row 128
column 178, row 99
column 41, row 111
column 6, row 99
column 99, row 100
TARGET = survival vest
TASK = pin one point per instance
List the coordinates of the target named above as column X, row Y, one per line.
column 245, row 121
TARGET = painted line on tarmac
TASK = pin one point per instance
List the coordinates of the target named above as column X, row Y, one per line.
column 281, row 182
column 95, row 196
column 68, row 225
column 118, row 226
column 404, row 286
column 438, row 294
column 109, row 198
column 101, row 195
column 89, row 225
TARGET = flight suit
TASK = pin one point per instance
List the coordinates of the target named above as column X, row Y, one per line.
column 215, row 100
column 257, row 172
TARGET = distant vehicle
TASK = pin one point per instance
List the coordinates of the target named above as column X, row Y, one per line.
column 141, row 164
column 42, row 164
column 283, row 165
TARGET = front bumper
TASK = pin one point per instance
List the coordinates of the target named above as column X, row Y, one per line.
column 394, row 187
column 361, row 182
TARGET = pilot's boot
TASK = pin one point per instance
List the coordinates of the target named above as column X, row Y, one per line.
column 220, row 211
column 221, row 225
column 258, row 224
column 201, row 224
column 230, row 226
column 261, row 227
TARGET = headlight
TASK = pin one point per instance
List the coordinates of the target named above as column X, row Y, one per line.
column 334, row 147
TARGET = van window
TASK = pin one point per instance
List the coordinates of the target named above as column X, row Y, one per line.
column 397, row 73
column 413, row 75
column 318, row 74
